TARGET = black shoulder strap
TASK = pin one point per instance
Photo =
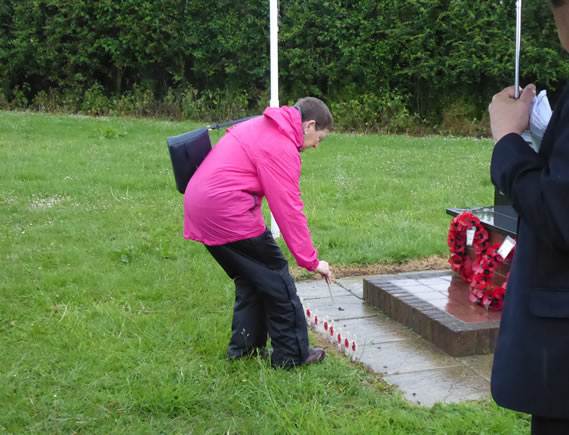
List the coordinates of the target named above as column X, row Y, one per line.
column 225, row 124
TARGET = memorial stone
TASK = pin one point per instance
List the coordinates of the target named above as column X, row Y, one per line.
column 438, row 308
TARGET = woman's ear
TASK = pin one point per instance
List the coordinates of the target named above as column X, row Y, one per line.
column 306, row 125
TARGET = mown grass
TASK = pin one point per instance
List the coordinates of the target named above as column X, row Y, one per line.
column 110, row 322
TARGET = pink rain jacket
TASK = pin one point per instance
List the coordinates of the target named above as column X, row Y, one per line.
column 255, row 159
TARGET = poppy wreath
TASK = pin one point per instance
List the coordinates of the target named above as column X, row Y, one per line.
column 459, row 260
column 482, row 289
column 479, row 273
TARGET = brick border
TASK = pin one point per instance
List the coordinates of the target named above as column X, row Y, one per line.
column 455, row 337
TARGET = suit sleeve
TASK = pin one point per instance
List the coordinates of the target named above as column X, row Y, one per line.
column 279, row 175
column 538, row 187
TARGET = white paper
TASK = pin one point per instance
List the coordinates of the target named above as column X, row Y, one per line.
column 470, row 236
column 540, row 114
column 506, row 247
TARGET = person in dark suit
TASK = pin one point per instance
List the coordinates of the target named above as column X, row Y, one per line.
column 531, row 362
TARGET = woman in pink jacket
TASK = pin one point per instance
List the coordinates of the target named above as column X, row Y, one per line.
column 255, row 159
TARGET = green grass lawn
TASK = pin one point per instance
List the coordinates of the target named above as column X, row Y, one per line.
column 111, row 322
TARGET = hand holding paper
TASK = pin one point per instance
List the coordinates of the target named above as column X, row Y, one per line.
column 508, row 114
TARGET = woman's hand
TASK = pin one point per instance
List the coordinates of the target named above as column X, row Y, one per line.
column 324, row 269
column 508, row 115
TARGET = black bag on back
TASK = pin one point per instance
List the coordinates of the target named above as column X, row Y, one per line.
column 188, row 150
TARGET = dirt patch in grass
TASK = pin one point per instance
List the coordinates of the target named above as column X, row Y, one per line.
column 435, row 262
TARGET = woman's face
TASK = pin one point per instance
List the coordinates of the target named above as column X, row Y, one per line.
column 561, row 16
column 312, row 137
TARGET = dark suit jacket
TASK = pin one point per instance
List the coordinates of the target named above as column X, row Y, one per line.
column 531, row 362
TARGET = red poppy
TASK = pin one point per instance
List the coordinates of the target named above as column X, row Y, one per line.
column 476, row 295
column 466, row 272
column 465, row 219
column 494, row 299
column 480, row 248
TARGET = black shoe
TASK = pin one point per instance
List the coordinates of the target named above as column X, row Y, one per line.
column 315, row 355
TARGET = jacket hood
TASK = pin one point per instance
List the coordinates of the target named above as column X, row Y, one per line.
column 288, row 121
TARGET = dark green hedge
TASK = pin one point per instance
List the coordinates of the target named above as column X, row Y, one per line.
column 391, row 60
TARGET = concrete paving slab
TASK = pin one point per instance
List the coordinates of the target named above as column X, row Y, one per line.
column 481, row 364
column 352, row 284
column 404, row 356
column 316, row 289
column 423, row 373
column 376, row 329
column 345, row 307
column 448, row 385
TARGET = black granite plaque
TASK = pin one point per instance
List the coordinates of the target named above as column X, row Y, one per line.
column 505, row 215
column 501, row 218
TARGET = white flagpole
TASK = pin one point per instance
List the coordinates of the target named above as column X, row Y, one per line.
column 518, row 48
column 274, row 31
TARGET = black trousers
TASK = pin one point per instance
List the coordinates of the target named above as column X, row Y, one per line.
column 549, row 426
column 265, row 300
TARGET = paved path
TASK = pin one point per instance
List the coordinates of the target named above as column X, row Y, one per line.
column 423, row 373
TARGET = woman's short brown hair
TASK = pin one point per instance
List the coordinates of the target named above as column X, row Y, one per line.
column 311, row 108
